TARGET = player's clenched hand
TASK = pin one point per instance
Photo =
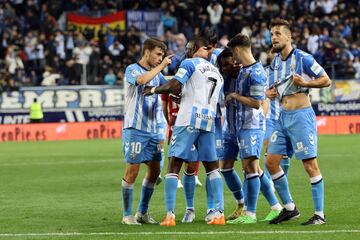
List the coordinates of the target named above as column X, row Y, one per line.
column 299, row 81
column 230, row 97
column 271, row 93
column 147, row 91
column 176, row 99
column 167, row 61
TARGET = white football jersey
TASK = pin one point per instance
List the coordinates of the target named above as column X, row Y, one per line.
column 202, row 84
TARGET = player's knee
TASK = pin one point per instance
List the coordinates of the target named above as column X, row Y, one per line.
column 272, row 162
column 130, row 176
column 250, row 165
column 226, row 164
column 311, row 166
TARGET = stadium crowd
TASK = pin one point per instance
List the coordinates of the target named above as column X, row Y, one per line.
column 36, row 47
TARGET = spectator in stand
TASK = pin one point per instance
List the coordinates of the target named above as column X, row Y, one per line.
column 320, row 27
column 110, row 78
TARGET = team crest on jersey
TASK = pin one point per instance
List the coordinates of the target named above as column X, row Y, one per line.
column 134, row 73
column 299, row 145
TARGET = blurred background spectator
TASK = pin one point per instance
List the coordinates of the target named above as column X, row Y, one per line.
column 36, row 47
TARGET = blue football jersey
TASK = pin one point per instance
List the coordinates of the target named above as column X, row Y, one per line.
column 274, row 105
column 298, row 62
column 140, row 111
column 214, row 55
column 230, row 113
column 251, row 82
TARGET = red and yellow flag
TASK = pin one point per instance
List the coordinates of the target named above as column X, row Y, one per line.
column 111, row 20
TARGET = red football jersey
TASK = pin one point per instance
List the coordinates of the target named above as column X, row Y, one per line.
column 173, row 108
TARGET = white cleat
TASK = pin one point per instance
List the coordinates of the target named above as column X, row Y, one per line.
column 130, row 220
column 210, row 215
column 189, row 216
column 180, row 184
column 197, row 182
column 145, row 218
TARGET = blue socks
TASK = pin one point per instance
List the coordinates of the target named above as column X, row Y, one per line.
column 127, row 197
column 162, row 159
column 245, row 188
column 170, row 188
column 217, row 188
column 146, row 193
column 317, row 190
column 285, row 164
column 267, row 191
column 233, row 182
column 210, row 198
column 253, row 189
column 282, row 187
column 189, row 189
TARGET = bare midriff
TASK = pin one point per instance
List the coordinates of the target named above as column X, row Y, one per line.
column 295, row 101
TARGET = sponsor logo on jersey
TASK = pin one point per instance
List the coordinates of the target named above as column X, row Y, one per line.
column 203, row 116
column 316, row 68
column 181, row 72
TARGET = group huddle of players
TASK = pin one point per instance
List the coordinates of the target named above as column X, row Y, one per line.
column 229, row 106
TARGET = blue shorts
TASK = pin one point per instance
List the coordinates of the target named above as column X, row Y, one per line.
column 219, row 142
column 269, row 128
column 231, row 147
column 161, row 129
column 140, row 146
column 295, row 132
column 250, row 142
column 187, row 140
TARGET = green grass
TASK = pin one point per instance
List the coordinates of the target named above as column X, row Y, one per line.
column 75, row 186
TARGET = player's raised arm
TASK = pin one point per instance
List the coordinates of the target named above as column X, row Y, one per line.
column 148, row 76
column 314, row 70
column 247, row 101
column 174, row 86
column 171, row 87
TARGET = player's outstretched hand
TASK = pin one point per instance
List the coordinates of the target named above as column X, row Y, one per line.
column 271, row 93
column 167, row 61
column 147, row 91
column 299, row 81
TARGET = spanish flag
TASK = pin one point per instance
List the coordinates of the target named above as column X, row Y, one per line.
column 111, row 20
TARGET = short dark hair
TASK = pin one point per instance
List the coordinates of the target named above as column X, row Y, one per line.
column 152, row 43
column 211, row 36
column 195, row 43
column 224, row 54
column 280, row 22
column 240, row 40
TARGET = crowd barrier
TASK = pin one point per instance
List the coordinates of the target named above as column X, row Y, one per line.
column 112, row 129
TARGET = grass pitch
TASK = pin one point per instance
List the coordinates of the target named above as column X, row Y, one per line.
column 72, row 190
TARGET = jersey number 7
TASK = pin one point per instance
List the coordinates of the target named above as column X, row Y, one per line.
column 212, row 89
